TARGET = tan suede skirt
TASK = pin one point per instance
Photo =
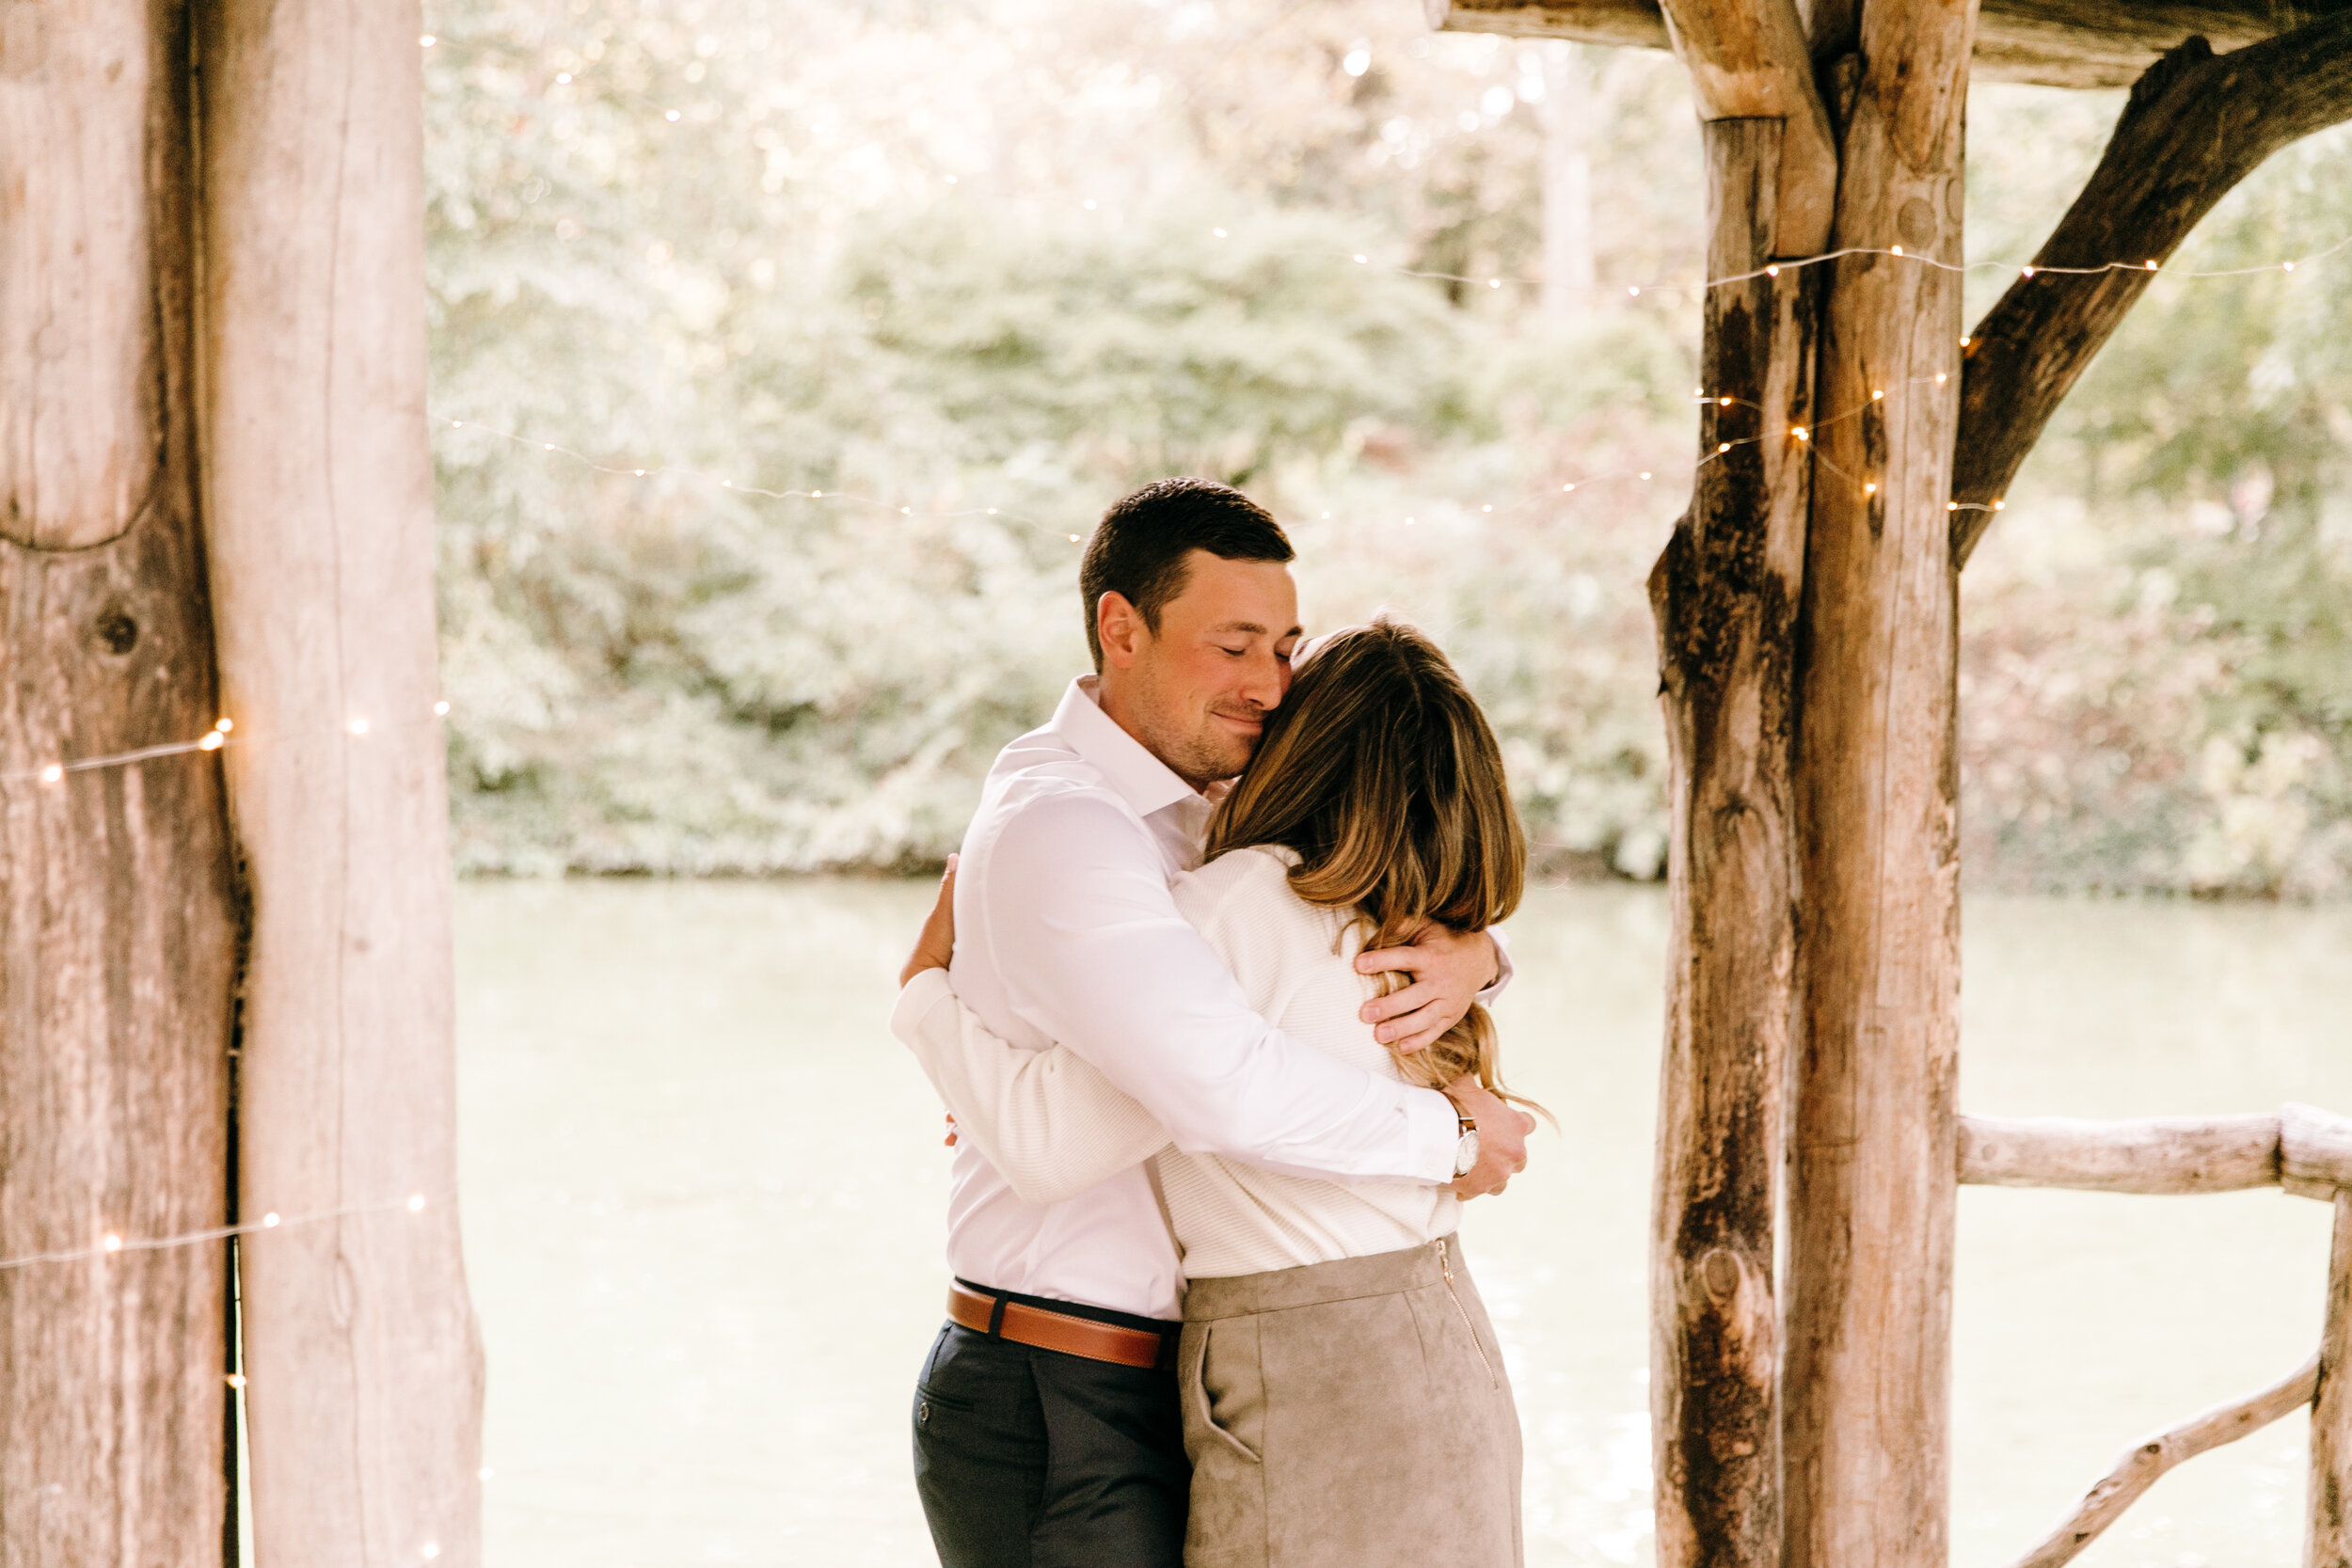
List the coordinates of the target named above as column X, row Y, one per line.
column 1349, row 1415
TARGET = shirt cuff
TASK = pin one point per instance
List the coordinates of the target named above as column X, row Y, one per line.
column 1503, row 967
column 915, row 1001
column 1432, row 1133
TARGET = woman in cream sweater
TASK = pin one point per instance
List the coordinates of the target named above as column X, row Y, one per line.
column 1344, row 1400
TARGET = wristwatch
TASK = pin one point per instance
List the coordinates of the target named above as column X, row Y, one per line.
column 1466, row 1150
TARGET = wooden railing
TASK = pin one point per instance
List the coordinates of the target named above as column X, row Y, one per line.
column 2308, row 1152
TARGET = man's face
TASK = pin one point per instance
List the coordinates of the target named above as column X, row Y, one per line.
column 1196, row 693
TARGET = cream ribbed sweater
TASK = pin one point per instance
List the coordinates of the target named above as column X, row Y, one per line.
column 1054, row 1126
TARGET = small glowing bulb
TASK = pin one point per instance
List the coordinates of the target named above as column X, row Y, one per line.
column 991, row 511
column 457, row 425
column 1698, row 391
column 223, row 725
column 1635, row 293
column 359, row 726
column 2028, row 272
column 212, row 742
column 1939, row 378
column 1360, row 261
column 236, row 1380
column 432, row 1550
column 441, row 707
column 551, row 446
column 427, row 41
column 1724, row 403
column 1073, row 538
column 563, row 78
column 1798, row 431
column 726, row 485
column 1876, row 395
column 1723, row 446
column 1963, row 342
column 1646, row 473
column 52, row 773
column 1565, row 488
column 1998, row 505
column 951, row 179
column 1219, row 232
column 906, row 512
column 112, row 1243
column 1899, row 251
column 2151, row 266
column 487, row 1472
column 817, row 494
column 671, row 115
column 1327, row 516
column 2289, row 266
column 1871, row 489
column 416, row 1203
column 1090, row 204
column 1771, row 272
column 269, row 1221
column 1951, row 506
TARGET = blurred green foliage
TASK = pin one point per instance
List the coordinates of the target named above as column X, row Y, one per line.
column 973, row 270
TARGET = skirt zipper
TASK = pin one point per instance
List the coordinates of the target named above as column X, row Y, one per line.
column 1445, row 1266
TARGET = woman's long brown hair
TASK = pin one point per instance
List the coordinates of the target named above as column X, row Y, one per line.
column 1380, row 771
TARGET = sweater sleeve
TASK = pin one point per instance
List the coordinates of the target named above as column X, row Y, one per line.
column 1047, row 1121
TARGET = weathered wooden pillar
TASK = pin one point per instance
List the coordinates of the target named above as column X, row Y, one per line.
column 2330, row 1542
column 117, row 928
column 366, row 1375
column 1725, row 595
column 1873, row 1158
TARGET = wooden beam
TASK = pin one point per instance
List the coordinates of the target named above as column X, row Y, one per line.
column 1747, row 60
column 2314, row 1153
column 118, row 926
column 2186, row 1155
column 81, row 428
column 2059, row 43
column 365, row 1398
column 1725, row 594
column 2149, row 1460
column 2197, row 123
column 2329, row 1542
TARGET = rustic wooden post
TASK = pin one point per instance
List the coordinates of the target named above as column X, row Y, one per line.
column 359, row 1342
column 2331, row 1543
column 118, row 931
column 1873, row 1158
column 1725, row 594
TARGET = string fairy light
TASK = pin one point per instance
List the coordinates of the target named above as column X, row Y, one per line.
column 113, row 1243
column 213, row 739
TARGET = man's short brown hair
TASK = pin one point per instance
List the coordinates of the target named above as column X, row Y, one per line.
column 1139, row 546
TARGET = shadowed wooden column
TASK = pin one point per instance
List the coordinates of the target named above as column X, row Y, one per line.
column 2330, row 1542
column 1873, row 1159
column 118, row 931
column 1725, row 595
column 366, row 1376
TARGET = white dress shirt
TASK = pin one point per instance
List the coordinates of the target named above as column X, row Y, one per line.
column 1054, row 1126
column 1066, row 931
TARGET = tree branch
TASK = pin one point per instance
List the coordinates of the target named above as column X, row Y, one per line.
column 2197, row 124
column 2152, row 1458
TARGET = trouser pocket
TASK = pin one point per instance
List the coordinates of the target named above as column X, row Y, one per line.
column 1201, row 1419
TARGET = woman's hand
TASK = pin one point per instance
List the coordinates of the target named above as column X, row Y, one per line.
column 936, row 943
column 1449, row 969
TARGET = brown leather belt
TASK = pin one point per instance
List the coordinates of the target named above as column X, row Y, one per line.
column 1024, row 1324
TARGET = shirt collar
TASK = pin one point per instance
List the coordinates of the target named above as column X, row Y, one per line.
column 1142, row 780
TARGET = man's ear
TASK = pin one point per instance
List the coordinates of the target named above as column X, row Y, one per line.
column 1120, row 626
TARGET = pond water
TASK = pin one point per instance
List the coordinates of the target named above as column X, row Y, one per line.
column 703, row 1192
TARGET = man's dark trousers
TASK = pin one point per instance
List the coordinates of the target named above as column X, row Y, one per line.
column 1029, row 1458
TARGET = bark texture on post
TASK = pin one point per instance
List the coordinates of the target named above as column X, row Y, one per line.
column 2330, row 1542
column 1725, row 595
column 366, row 1374
column 118, row 930
column 1873, row 1157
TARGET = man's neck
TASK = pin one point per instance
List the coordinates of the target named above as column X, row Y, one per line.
column 1119, row 705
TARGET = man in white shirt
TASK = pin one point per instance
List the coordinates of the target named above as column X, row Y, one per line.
column 1046, row 1430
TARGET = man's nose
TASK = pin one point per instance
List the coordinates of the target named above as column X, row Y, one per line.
column 1266, row 681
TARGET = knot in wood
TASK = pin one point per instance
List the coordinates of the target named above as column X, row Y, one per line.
column 1719, row 1271
column 117, row 632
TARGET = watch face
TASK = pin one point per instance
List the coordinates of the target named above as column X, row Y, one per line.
column 1466, row 1154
